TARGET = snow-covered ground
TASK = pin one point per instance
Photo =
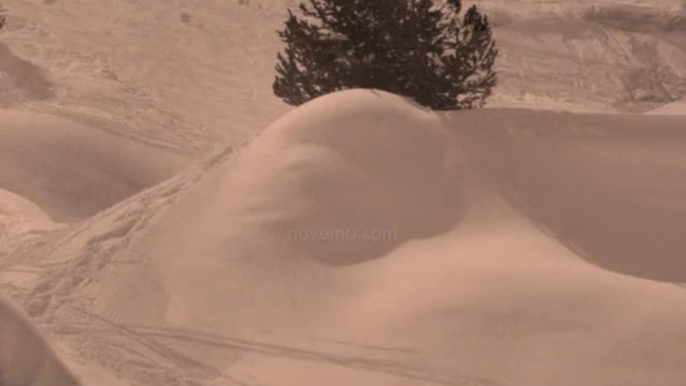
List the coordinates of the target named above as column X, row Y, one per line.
column 25, row 357
column 363, row 240
column 167, row 221
column 72, row 170
column 674, row 108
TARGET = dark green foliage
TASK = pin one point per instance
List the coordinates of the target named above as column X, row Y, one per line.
column 423, row 49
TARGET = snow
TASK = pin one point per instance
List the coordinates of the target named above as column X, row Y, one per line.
column 72, row 171
column 674, row 108
column 25, row 357
column 359, row 239
column 530, row 247
column 20, row 219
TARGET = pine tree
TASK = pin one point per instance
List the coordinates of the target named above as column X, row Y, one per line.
column 422, row 49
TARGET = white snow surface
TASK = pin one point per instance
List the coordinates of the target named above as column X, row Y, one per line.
column 356, row 240
column 527, row 247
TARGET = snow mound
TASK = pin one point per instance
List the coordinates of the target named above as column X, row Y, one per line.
column 19, row 220
column 674, row 108
column 342, row 180
column 72, row 171
column 26, row 359
column 14, row 205
column 349, row 176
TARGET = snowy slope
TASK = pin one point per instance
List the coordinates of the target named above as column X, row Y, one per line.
column 72, row 171
column 563, row 59
column 674, row 108
column 187, row 74
column 177, row 73
column 528, row 248
column 25, row 357
column 20, row 221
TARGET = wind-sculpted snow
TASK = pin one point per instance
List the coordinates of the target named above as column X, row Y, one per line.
column 530, row 247
column 359, row 240
column 26, row 359
column 72, row 171
column 675, row 108
column 21, row 80
column 346, row 178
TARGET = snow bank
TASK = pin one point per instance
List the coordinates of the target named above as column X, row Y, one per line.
column 347, row 178
column 71, row 171
column 19, row 218
column 26, row 359
column 16, row 206
column 608, row 186
column 674, row 108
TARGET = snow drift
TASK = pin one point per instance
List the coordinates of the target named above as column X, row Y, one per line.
column 529, row 247
column 674, row 108
column 341, row 181
column 25, row 357
column 20, row 220
column 371, row 175
column 72, row 171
